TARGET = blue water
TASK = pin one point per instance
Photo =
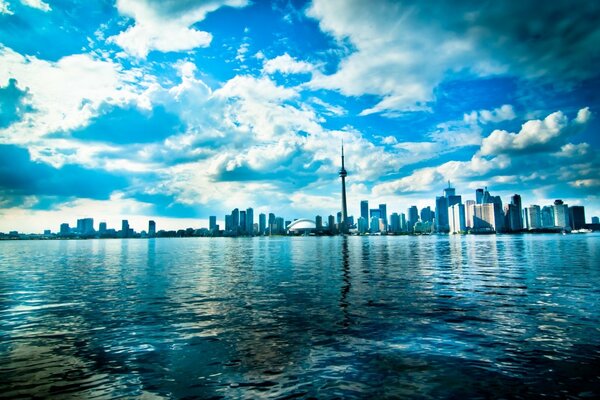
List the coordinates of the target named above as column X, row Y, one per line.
column 365, row 317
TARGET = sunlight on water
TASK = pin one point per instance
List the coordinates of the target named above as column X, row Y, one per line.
column 487, row 316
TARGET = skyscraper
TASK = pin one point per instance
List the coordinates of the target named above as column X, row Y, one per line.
column 518, row 219
column 426, row 215
column 151, row 228
column 250, row 221
column 318, row 223
column 383, row 215
column 331, row 224
column 577, row 217
column 395, row 223
column 479, row 196
column 441, row 214
column 102, row 227
column 413, row 217
column 469, row 213
column 534, row 217
column 235, row 220
column 124, row 228
column 242, row 227
column 484, row 217
column 343, row 174
column 212, row 223
column 262, row 223
column 561, row 214
column 456, row 218
column 364, row 209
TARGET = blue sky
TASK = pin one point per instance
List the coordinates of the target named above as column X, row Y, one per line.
column 177, row 110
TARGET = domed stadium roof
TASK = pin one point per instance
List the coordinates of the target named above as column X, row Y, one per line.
column 302, row 225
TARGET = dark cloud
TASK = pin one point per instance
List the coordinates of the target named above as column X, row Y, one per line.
column 21, row 176
column 12, row 103
column 131, row 125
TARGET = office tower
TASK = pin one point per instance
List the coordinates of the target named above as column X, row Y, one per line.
column 561, row 214
column 426, row 215
column 228, row 223
column 374, row 225
column 534, row 216
column 212, row 223
column 363, row 225
column 250, row 221
column 456, row 218
column 262, row 223
column 413, row 217
column 279, row 225
column 441, row 214
column 479, row 196
column 469, row 213
column 242, row 227
column 318, row 223
column 331, row 224
column 513, row 221
column 449, row 191
column 338, row 218
column 484, row 217
column 124, row 228
column 343, row 174
column 450, row 194
column 65, row 229
column 374, row 212
column 151, row 228
column 395, row 223
column 383, row 215
column 403, row 226
column 525, row 218
column 595, row 220
column 85, row 226
column 271, row 223
column 518, row 218
column 102, row 227
column 364, row 209
column 350, row 221
column 235, row 220
column 547, row 217
column 577, row 217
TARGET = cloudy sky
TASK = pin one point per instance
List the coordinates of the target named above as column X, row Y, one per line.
column 181, row 109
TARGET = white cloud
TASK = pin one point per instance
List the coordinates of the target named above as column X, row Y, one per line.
column 500, row 114
column 39, row 4
column 64, row 94
column 286, row 65
column 166, row 26
column 4, row 8
column 534, row 134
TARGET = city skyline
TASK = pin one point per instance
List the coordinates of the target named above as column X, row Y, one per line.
column 174, row 112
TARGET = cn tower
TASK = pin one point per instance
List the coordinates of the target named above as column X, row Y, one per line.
column 343, row 174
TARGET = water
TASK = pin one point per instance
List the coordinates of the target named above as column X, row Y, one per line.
column 418, row 317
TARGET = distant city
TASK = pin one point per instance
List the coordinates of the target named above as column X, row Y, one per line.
column 483, row 215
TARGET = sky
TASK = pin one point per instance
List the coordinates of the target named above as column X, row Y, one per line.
column 176, row 110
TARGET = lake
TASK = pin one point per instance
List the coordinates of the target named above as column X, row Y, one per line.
column 490, row 316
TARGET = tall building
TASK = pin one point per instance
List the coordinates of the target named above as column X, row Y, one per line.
column 65, row 229
column 456, row 218
column 374, row 224
column 85, row 226
column 235, row 220
column 318, row 224
column 262, row 223
column 534, row 217
column 242, row 226
column 577, row 217
column 383, row 215
column 124, row 228
column 469, row 213
column 212, row 223
column 364, row 209
column 403, row 227
column 512, row 218
column 426, row 214
column 250, row 221
column 151, row 228
column 228, row 223
column 374, row 212
column 479, row 196
column 394, row 223
column 518, row 219
column 363, row 225
column 484, row 218
column 441, row 214
column 561, row 214
column 413, row 217
column 343, row 174
column 547, row 217
column 595, row 220
column 331, row 224
column 102, row 227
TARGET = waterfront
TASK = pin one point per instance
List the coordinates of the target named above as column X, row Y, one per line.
column 405, row 316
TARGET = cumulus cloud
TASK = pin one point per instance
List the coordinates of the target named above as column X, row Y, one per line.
column 4, row 8
column 286, row 64
column 166, row 25
column 534, row 134
column 39, row 4
column 500, row 114
column 401, row 51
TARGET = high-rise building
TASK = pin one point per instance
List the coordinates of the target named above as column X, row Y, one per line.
column 534, row 217
column 331, row 224
column 484, row 218
column 383, row 215
column 518, row 218
column 242, row 227
column 65, row 229
column 212, row 223
column 343, row 174
column 228, row 223
column 338, row 218
column 374, row 224
column 124, row 228
column 456, row 218
column 262, row 223
column 479, row 196
column 151, row 228
column 403, row 227
column 426, row 214
column 374, row 212
column 441, row 214
column 235, row 221
column 279, row 225
column 512, row 218
column 102, row 227
column 364, row 209
column 595, row 220
column 413, row 217
column 561, row 214
column 577, row 217
column 318, row 224
column 394, row 223
column 469, row 213
column 85, row 226
column 250, row 221
column 547, row 217
column 363, row 225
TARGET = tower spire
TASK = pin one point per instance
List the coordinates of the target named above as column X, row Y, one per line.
column 343, row 174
